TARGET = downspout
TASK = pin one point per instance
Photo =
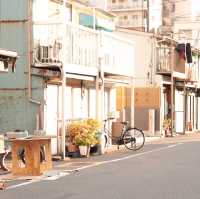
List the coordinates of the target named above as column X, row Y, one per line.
column 29, row 48
column 30, row 42
column 63, row 113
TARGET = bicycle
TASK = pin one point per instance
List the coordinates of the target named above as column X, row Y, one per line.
column 132, row 138
column 6, row 155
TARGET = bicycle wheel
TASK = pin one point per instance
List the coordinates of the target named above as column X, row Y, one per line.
column 133, row 139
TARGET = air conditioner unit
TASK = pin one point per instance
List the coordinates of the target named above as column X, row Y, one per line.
column 49, row 53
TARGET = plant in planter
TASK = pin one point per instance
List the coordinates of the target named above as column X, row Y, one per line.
column 83, row 133
column 167, row 126
column 72, row 130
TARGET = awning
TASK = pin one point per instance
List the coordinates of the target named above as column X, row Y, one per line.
column 117, row 81
column 7, row 59
column 8, row 53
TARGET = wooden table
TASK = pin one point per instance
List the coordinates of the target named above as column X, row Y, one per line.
column 33, row 164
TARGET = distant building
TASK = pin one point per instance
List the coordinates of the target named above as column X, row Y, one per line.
column 181, row 21
column 139, row 15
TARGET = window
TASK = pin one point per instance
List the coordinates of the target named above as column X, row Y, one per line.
column 125, row 17
column 113, row 1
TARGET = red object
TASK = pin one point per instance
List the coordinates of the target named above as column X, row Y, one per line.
column 182, row 54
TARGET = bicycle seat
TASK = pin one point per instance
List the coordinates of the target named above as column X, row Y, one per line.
column 125, row 123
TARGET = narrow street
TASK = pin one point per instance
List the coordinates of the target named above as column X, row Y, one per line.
column 167, row 169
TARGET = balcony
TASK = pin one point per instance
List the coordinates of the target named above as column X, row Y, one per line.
column 170, row 62
column 130, row 5
column 164, row 58
column 81, row 49
column 72, row 45
column 118, row 55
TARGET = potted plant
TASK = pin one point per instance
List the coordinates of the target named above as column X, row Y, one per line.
column 83, row 133
column 167, row 126
column 72, row 130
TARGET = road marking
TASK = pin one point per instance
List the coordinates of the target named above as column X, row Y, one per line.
column 56, row 177
column 129, row 156
column 96, row 164
column 23, row 184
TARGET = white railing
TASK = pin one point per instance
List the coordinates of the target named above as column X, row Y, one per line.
column 76, row 45
column 118, row 54
column 138, row 5
column 81, row 45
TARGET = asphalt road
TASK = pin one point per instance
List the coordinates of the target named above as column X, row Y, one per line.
column 160, row 171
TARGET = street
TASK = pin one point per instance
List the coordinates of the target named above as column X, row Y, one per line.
column 166, row 169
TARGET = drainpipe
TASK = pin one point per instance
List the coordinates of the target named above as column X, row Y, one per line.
column 30, row 42
column 29, row 48
column 63, row 113
column 133, row 101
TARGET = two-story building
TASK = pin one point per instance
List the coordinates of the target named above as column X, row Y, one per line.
column 166, row 86
column 69, row 66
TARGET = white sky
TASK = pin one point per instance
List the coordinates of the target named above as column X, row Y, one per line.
column 195, row 7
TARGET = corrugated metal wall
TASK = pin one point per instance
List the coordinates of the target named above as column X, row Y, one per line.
column 13, row 9
column 16, row 112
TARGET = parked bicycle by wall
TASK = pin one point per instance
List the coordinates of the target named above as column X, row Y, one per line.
column 131, row 138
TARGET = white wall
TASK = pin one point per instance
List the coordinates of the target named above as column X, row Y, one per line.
column 143, row 56
column 40, row 10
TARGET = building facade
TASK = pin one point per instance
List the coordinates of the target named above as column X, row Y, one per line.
column 139, row 15
column 166, row 86
column 69, row 66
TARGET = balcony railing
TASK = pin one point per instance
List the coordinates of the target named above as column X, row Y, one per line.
column 80, row 47
column 163, row 59
column 71, row 44
column 118, row 54
column 138, row 5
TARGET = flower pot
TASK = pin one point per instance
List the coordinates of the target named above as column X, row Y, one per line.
column 72, row 148
column 84, row 151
